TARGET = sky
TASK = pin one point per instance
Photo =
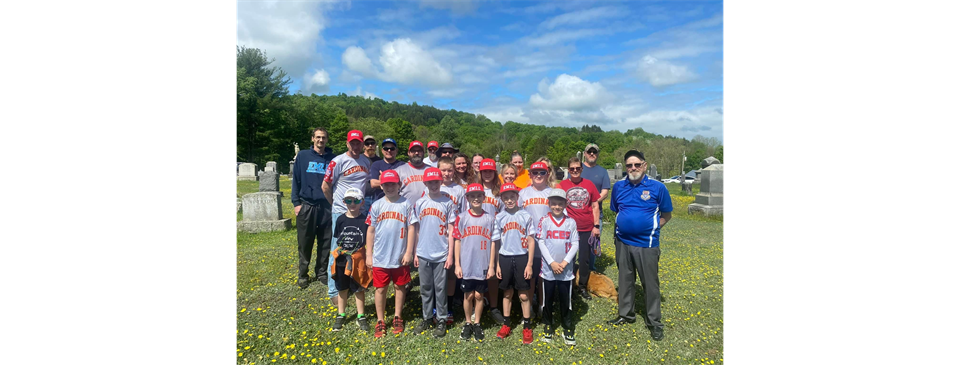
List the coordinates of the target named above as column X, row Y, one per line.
column 618, row 65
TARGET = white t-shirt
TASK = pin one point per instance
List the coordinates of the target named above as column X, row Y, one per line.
column 514, row 230
column 558, row 241
column 433, row 216
column 390, row 222
column 345, row 172
column 476, row 235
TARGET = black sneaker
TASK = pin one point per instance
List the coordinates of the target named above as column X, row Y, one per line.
column 656, row 333
column 303, row 283
column 497, row 315
column 547, row 334
column 338, row 323
column 441, row 329
column 477, row 332
column 423, row 326
column 585, row 294
column 467, row 331
column 363, row 324
column 568, row 338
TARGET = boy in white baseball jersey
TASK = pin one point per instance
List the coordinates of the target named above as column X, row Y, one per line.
column 533, row 199
column 558, row 240
column 451, row 189
column 515, row 265
column 433, row 218
column 390, row 248
column 473, row 235
column 350, row 271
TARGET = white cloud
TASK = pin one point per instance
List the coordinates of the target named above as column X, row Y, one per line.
column 569, row 93
column 662, row 73
column 359, row 92
column 286, row 31
column 356, row 60
column 318, row 83
column 565, row 35
column 584, row 16
column 405, row 62
column 681, row 123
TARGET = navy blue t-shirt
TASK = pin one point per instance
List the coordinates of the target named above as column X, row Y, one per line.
column 375, row 169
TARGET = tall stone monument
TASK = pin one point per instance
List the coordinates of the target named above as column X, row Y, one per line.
column 710, row 199
column 262, row 211
column 248, row 172
column 652, row 172
column 617, row 170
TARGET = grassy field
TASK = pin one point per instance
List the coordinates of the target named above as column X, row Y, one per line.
column 279, row 323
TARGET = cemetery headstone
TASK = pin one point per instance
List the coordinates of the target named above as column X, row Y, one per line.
column 263, row 212
column 652, row 172
column 708, row 161
column 270, row 181
column 271, row 166
column 248, row 172
column 710, row 199
column 291, row 169
column 617, row 171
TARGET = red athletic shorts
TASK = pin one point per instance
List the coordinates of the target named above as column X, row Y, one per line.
column 399, row 276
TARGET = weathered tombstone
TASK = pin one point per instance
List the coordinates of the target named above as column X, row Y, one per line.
column 652, row 172
column 259, row 173
column 248, row 172
column 270, row 181
column 618, row 171
column 687, row 187
column 708, row 161
column 613, row 175
column 710, row 199
column 291, row 169
column 696, row 180
column 271, row 166
column 262, row 212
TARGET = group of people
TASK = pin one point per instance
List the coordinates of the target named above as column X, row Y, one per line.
column 466, row 226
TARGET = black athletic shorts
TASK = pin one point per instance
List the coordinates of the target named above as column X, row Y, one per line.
column 511, row 270
column 344, row 282
column 479, row 286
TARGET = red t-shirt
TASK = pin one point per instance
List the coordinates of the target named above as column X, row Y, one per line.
column 580, row 198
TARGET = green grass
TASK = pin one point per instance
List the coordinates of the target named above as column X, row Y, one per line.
column 277, row 321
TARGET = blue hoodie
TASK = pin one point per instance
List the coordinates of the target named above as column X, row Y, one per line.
column 308, row 174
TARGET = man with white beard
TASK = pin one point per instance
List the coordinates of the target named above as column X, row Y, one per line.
column 643, row 207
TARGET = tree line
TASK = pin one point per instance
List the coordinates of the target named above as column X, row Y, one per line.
column 270, row 120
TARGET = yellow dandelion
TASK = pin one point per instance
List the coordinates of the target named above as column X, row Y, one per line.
column 314, row 361
column 240, row 354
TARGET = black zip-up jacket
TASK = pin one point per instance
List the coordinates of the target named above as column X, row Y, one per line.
column 308, row 174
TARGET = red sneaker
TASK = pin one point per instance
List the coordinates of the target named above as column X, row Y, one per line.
column 397, row 325
column 378, row 331
column 527, row 336
column 504, row 332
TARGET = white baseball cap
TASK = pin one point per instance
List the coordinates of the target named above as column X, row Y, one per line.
column 557, row 193
column 353, row 193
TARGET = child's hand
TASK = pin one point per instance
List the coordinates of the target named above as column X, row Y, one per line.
column 449, row 263
column 407, row 259
column 528, row 272
column 489, row 274
column 459, row 272
column 556, row 268
column 416, row 261
column 369, row 261
column 498, row 272
column 563, row 265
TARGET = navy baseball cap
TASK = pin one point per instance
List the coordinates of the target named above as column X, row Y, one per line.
column 633, row 153
column 389, row 140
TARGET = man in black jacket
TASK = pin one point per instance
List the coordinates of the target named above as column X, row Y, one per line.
column 312, row 208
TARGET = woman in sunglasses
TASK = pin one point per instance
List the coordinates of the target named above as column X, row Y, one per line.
column 582, row 206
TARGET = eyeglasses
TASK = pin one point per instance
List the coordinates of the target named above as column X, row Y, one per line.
column 538, row 173
column 388, row 149
column 575, row 169
column 592, row 152
column 632, row 165
column 432, row 149
column 370, row 143
column 352, row 201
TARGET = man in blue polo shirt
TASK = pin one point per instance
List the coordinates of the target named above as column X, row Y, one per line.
column 643, row 207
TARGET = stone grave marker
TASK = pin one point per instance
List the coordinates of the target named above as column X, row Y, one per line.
column 270, row 181
column 710, row 199
column 248, row 172
column 263, row 212
column 271, row 166
column 652, row 172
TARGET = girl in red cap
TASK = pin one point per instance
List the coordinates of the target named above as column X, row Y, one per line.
column 492, row 205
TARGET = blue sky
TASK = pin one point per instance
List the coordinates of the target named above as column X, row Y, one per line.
column 619, row 65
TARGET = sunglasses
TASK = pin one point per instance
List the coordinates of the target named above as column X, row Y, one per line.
column 370, row 143
column 352, row 201
column 592, row 152
column 538, row 173
column 632, row 165
column 574, row 169
column 388, row 149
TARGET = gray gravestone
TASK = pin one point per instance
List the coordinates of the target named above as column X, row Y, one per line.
column 270, row 181
column 291, row 169
column 263, row 212
column 271, row 166
column 248, row 172
column 617, row 170
column 652, row 172
column 710, row 199
column 708, row 161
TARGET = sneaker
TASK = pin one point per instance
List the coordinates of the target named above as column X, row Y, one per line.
column 503, row 332
column 303, row 283
column 423, row 326
column 381, row 328
column 338, row 323
column 568, row 338
column 548, row 334
column 497, row 315
column 585, row 294
column 467, row 331
column 656, row 333
column 397, row 325
column 477, row 332
column 527, row 336
column 364, row 324
column 441, row 330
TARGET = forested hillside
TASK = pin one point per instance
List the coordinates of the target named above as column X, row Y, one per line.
column 270, row 120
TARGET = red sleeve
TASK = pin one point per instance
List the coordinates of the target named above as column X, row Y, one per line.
column 456, row 228
column 328, row 177
column 368, row 220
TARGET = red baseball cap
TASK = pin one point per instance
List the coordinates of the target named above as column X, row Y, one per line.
column 472, row 188
column 433, row 144
column 389, row 176
column 355, row 135
column 432, row 174
column 539, row 166
column 488, row 164
column 508, row 187
column 414, row 144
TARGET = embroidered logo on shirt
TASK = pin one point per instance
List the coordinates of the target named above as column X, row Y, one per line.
column 646, row 195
